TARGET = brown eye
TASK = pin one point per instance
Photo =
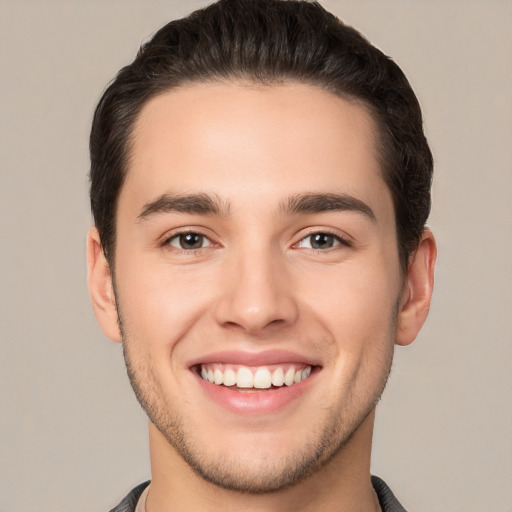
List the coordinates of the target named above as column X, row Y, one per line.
column 320, row 241
column 188, row 241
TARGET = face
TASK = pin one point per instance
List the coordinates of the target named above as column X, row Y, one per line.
column 257, row 277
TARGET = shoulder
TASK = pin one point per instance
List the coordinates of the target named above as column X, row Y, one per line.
column 387, row 499
column 130, row 501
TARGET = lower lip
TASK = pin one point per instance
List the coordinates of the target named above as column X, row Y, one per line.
column 255, row 402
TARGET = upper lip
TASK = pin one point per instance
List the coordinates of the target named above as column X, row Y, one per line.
column 263, row 358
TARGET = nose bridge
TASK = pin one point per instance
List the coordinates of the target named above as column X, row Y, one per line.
column 256, row 292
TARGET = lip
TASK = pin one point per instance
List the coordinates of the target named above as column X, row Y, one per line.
column 254, row 402
column 266, row 357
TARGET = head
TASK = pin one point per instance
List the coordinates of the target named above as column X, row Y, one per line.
column 260, row 185
column 264, row 43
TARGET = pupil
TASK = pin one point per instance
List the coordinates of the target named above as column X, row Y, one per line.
column 191, row 241
column 322, row 241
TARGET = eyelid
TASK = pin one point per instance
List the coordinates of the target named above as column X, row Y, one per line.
column 165, row 240
column 343, row 238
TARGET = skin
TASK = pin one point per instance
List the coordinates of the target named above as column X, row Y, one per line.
column 257, row 284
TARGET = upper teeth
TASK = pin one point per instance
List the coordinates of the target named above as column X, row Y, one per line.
column 260, row 377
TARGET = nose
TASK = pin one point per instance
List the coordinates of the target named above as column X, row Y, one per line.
column 256, row 294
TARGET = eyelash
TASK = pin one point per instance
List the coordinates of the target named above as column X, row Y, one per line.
column 191, row 251
column 181, row 250
column 337, row 238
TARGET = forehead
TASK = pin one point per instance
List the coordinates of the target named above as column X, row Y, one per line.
column 237, row 140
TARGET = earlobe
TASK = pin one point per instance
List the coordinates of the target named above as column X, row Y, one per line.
column 101, row 287
column 417, row 291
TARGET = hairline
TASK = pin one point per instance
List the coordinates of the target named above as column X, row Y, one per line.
column 247, row 80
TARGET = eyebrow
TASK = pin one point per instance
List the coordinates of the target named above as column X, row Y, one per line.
column 200, row 204
column 204, row 204
column 320, row 203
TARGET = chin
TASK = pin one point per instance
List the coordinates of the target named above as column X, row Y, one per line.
column 259, row 462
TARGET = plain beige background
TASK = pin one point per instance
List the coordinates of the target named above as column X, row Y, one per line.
column 72, row 435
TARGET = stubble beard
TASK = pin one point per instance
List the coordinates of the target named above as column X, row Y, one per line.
column 231, row 473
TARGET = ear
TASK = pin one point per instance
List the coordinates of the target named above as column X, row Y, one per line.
column 417, row 290
column 101, row 287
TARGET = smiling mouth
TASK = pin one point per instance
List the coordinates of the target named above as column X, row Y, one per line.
column 247, row 378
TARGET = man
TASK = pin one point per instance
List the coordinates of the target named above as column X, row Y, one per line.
column 260, row 184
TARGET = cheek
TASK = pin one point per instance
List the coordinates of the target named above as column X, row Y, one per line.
column 356, row 307
column 355, row 287
column 159, row 304
column 358, row 312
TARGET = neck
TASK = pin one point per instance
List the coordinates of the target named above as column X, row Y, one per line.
column 343, row 484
